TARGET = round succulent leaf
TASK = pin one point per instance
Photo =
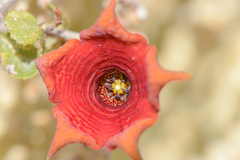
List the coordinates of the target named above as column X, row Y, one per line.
column 23, row 27
column 17, row 59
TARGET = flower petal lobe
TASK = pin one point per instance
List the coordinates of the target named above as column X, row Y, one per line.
column 108, row 25
column 66, row 134
column 128, row 139
column 46, row 64
column 158, row 77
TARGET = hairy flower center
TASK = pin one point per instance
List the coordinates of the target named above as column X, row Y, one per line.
column 114, row 88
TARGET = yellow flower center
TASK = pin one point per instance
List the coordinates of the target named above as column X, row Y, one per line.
column 118, row 87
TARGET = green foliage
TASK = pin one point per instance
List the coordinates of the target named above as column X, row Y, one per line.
column 23, row 27
column 17, row 59
column 18, row 54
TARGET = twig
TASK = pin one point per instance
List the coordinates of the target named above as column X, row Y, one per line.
column 60, row 34
column 4, row 6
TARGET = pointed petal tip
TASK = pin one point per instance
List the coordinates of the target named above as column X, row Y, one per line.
column 66, row 134
column 130, row 148
column 108, row 24
column 175, row 76
column 51, row 153
column 185, row 76
column 134, row 152
column 128, row 139
column 49, row 156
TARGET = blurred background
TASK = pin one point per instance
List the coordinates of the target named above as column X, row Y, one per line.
column 199, row 118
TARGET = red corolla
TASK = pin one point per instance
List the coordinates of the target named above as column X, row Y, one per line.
column 105, row 87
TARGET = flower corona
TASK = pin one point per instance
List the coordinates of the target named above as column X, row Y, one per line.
column 114, row 88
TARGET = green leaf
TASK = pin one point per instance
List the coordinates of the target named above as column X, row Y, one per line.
column 23, row 27
column 17, row 59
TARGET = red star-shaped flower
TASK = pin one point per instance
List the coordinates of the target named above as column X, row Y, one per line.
column 106, row 87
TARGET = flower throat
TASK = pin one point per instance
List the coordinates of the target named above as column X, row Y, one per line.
column 114, row 88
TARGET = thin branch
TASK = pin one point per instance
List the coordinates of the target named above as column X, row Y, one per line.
column 60, row 34
column 4, row 6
